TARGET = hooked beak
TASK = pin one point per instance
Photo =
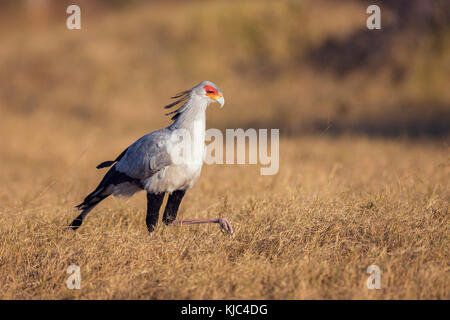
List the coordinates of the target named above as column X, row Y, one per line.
column 219, row 98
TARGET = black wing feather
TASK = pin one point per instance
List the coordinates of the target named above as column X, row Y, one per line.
column 109, row 163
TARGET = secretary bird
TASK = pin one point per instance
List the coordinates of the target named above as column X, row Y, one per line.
column 151, row 164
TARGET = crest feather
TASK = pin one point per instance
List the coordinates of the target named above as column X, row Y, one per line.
column 181, row 98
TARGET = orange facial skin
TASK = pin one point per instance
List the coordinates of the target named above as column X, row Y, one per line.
column 211, row 92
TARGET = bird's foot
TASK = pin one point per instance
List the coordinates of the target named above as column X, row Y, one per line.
column 225, row 225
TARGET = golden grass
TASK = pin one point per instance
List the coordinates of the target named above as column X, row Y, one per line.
column 69, row 100
column 336, row 207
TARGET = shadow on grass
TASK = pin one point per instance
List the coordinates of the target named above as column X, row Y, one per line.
column 418, row 121
column 372, row 48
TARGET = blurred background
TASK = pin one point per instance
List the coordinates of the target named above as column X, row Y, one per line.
column 301, row 66
column 364, row 119
column 306, row 67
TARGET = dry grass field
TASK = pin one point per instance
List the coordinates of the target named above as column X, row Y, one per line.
column 336, row 207
column 364, row 158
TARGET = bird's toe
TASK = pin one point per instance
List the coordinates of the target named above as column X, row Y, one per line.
column 225, row 225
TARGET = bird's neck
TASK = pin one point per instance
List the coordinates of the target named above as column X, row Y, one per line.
column 193, row 116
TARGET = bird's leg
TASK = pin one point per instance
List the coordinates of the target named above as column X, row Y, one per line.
column 170, row 214
column 223, row 222
column 173, row 203
column 154, row 202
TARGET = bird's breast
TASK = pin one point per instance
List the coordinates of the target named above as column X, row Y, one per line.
column 181, row 174
column 174, row 177
column 187, row 151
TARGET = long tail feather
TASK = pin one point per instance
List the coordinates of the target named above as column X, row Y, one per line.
column 89, row 203
column 106, row 187
column 92, row 199
column 76, row 223
column 105, row 164
column 109, row 163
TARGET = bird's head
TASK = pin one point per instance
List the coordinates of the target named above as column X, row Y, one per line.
column 204, row 90
column 213, row 92
column 209, row 91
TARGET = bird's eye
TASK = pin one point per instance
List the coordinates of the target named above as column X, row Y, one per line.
column 210, row 91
